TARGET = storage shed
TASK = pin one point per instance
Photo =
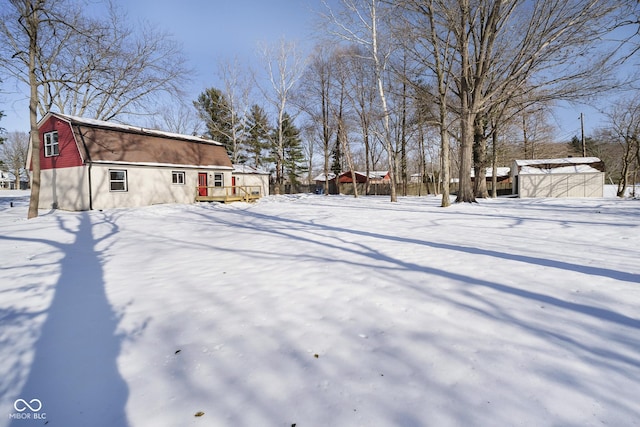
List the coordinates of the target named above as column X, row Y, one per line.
column 566, row 177
column 252, row 178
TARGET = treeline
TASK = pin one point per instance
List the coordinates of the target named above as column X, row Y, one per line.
column 436, row 88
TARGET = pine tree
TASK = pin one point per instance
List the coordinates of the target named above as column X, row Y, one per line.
column 257, row 132
column 591, row 148
column 214, row 110
column 336, row 158
column 294, row 160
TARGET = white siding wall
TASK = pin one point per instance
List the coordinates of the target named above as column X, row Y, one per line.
column 65, row 188
column 261, row 181
column 149, row 186
column 561, row 185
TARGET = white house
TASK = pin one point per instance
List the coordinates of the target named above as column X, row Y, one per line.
column 566, row 177
column 92, row 164
column 251, row 178
column 8, row 180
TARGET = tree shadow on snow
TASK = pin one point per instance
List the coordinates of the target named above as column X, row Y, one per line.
column 595, row 312
column 74, row 371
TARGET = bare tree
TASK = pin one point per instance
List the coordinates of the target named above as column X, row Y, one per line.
column 624, row 127
column 340, row 113
column 29, row 30
column 14, row 154
column 284, row 67
column 431, row 42
column 237, row 89
column 359, row 22
column 82, row 65
column 120, row 69
column 555, row 56
column 314, row 98
column 179, row 118
column 363, row 98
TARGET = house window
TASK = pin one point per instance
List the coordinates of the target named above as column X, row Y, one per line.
column 117, row 180
column 218, row 180
column 177, row 177
column 51, row 144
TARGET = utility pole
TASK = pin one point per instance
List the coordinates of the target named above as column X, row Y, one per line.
column 524, row 132
column 584, row 145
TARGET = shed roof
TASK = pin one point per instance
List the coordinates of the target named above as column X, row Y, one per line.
column 247, row 169
column 572, row 169
column 116, row 143
column 501, row 171
column 564, row 160
column 560, row 166
column 322, row 177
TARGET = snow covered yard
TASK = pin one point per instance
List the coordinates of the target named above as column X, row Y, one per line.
column 322, row 311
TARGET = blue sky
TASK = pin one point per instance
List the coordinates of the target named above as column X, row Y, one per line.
column 217, row 31
column 210, row 32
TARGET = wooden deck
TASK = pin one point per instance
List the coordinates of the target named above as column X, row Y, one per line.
column 238, row 193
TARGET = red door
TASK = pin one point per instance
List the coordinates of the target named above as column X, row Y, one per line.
column 202, row 184
column 233, row 184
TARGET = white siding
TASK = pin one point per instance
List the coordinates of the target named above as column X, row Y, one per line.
column 253, row 180
column 149, row 186
column 561, row 185
column 64, row 188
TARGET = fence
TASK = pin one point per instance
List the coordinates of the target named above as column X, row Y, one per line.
column 411, row 189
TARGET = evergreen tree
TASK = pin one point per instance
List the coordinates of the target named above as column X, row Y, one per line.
column 257, row 132
column 591, row 146
column 336, row 158
column 213, row 109
column 294, row 160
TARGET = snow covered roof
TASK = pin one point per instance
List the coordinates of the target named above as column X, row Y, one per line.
column 10, row 176
column 565, row 160
column 528, row 170
column 322, row 178
column 375, row 174
column 567, row 165
column 502, row 171
column 127, row 128
column 247, row 169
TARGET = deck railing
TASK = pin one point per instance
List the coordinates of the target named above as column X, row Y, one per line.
column 226, row 194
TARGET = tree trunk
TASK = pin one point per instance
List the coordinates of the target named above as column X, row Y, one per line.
column 494, row 162
column 445, row 175
column 32, row 25
column 480, row 160
column 465, row 188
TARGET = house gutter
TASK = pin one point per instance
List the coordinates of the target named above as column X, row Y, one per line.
column 90, row 163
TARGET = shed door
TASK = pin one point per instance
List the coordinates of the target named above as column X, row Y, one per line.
column 202, row 183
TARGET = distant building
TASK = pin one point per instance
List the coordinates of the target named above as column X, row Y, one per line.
column 254, row 179
column 564, row 177
column 8, row 180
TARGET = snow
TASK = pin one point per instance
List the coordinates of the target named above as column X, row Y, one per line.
column 501, row 171
column 248, row 169
column 129, row 128
column 565, row 160
column 528, row 170
column 322, row 311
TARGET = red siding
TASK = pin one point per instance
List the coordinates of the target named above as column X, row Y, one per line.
column 69, row 155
